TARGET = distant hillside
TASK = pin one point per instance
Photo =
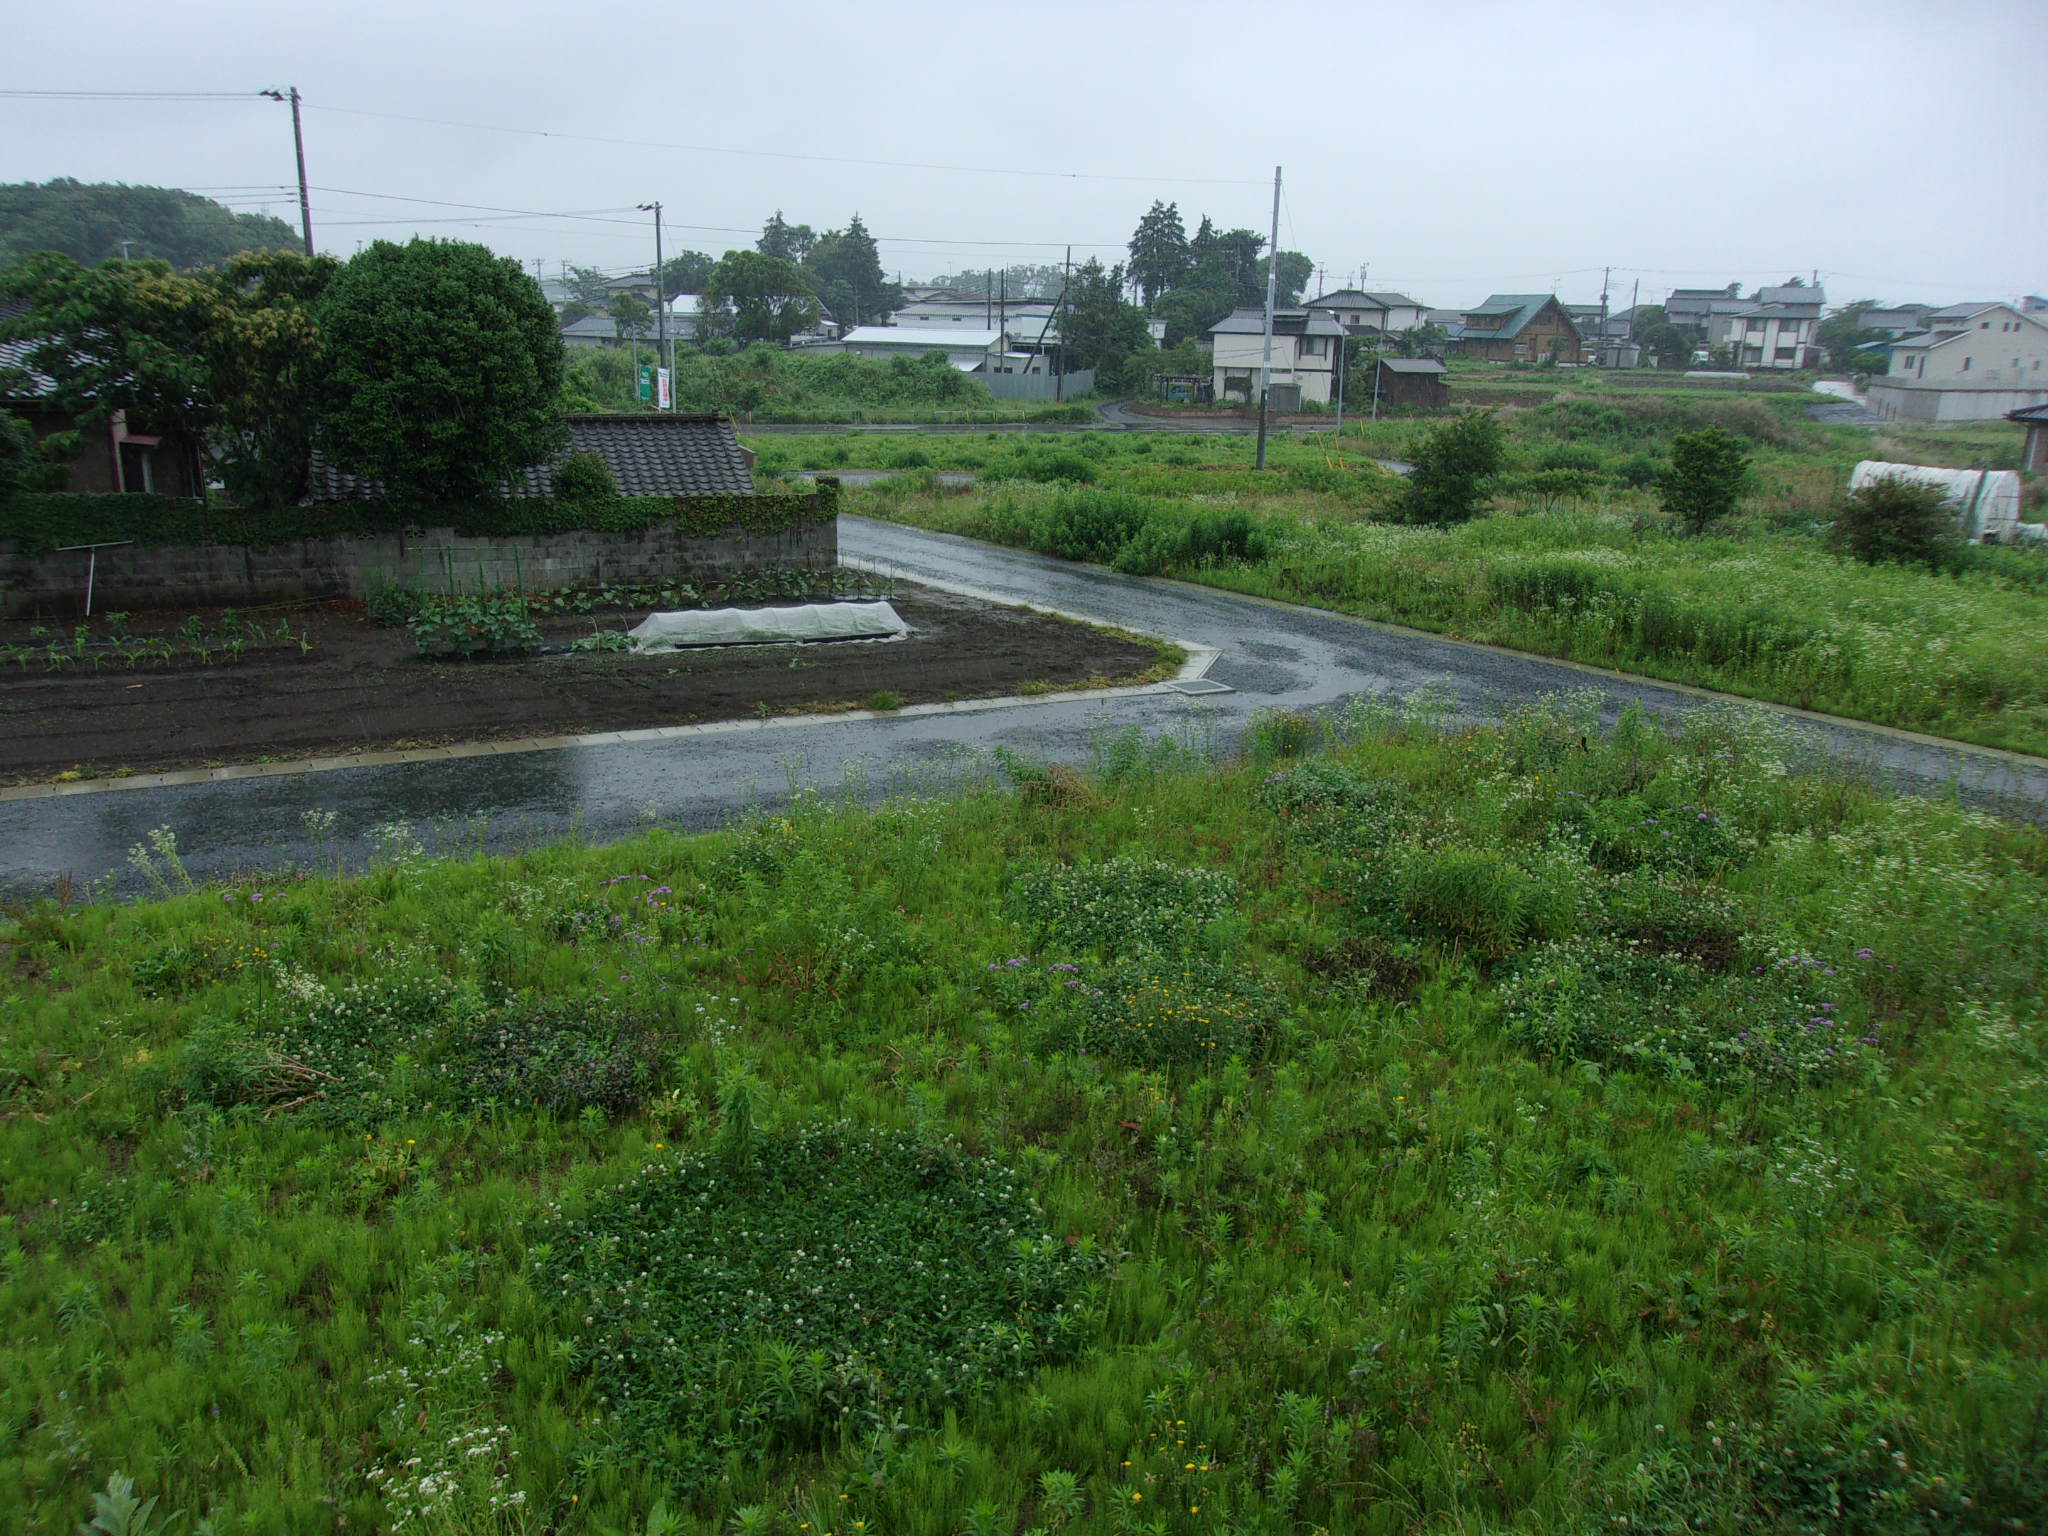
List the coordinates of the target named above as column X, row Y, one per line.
column 88, row 221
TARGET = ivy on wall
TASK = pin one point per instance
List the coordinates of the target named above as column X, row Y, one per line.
column 38, row 522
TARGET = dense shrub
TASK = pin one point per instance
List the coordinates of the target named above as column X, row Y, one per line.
column 585, row 477
column 791, row 1288
column 1569, row 456
column 1895, row 520
column 1706, row 478
column 44, row 520
column 1455, row 465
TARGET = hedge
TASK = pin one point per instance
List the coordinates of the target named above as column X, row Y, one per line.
column 38, row 522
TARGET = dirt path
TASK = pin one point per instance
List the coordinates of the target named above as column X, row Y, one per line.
column 364, row 688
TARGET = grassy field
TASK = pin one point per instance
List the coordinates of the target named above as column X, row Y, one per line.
column 1577, row 560
column 1385, row 1133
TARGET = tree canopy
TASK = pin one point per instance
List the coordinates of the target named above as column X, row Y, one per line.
column 88, row 221
column 1023, row 280
column 1101, row 329
column 1159, row 252
column 444, row 371
column 1192, row 281
column 1843, row 333
column 685, row 272
column 844, row 269
column 750, row 296
column 230, row 358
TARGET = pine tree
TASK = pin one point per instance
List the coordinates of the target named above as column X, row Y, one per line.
column 1159, row 251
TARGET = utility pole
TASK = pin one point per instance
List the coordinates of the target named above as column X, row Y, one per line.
column 661, row 358
column 1605, row 274
column 1059, row 379
column 1272, row 289
column 1340, row 385
column 299, row 148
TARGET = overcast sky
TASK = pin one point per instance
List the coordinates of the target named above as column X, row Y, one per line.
column 1451, row 148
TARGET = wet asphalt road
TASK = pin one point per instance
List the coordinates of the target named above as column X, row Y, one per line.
column 1270, row 656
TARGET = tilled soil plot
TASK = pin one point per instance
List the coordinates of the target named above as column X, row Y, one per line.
column 362, row 688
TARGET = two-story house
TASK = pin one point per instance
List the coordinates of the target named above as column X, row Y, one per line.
column 1975, row 361
column 1363, row 314
column 1305, row 347
column 1775, row 329
column 1694, row 309
column 1518, row 328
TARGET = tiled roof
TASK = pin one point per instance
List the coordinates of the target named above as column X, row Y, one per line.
column 1355, row 298
column 1286, row 322
column 650, row 453
column 14, row 354
column 2032, row 415
column 1926, row 339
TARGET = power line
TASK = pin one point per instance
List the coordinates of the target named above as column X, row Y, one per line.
column 775, row 154
column 130, row 95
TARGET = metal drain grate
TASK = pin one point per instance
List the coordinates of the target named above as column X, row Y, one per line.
column 1200, row 685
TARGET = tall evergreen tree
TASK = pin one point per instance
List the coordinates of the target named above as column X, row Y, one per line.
column 845, row 271
column 1159, row 252
column 1101, row 328
column 785, row 241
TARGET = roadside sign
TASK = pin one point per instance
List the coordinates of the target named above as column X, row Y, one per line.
column 646, row 382
column 661, row 398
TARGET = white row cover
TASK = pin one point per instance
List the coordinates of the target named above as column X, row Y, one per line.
column 1987, row 501
column 755, row 626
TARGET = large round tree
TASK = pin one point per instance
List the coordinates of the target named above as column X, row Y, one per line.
column 444, row 370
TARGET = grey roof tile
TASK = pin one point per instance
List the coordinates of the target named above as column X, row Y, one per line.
column 650, row 453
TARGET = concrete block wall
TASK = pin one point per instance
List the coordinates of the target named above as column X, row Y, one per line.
column 137, row 577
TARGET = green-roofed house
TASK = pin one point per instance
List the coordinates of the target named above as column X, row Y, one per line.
column 1517, row 328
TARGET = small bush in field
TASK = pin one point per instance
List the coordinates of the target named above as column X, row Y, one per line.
column 1708, row 472
column 1898, row 522
column 1455, row 465
column 786, row 1288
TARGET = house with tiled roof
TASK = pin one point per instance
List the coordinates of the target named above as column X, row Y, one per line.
column 650, row 453
column 1365, row 314
column 1516, row 328
column 119, row 453
column 1975, row 362
column 1772, row 329
column 1306, row 343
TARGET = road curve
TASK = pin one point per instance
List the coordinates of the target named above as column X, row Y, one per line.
column 1271, row 655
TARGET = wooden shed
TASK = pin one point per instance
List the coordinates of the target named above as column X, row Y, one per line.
column 1413, row 383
